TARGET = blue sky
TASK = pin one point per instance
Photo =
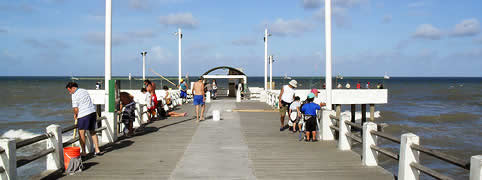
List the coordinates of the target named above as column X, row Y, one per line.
column 370, row 37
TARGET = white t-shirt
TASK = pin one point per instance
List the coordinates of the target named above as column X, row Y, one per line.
column 294, row 105
column 288, row 94
column 81, row 100
column 147, row 99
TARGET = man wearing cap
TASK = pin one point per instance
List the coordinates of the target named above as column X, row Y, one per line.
column 317, row 100
column 309, row 109
column 286, row 97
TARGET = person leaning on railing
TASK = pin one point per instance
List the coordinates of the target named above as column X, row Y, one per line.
column 84, row 114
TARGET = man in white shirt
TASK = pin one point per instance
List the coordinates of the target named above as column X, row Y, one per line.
column 286, row 97
column 84, row 115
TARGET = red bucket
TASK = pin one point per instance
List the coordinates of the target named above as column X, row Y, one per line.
column 69, row 153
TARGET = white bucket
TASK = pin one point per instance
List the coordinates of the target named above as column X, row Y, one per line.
column 216, row 115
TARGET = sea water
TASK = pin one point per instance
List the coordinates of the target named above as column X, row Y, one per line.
column 445, row 112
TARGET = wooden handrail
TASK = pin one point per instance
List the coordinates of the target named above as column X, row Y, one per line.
column 429, row 171
column 69, row 142
column 32, row 140
column 25, row 160
column 354, row 125
column 386, row 152
column 386, row 136
column 442, row 156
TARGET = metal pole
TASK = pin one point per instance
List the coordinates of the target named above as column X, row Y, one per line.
column 144, row 65
column 328, row 52
column 265, row 59
column 271, row 72
column 108, row 50
column 179, row 34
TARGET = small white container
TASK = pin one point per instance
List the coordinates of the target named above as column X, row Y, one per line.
column 216, row 115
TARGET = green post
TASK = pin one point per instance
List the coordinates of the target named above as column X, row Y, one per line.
column 111, row 95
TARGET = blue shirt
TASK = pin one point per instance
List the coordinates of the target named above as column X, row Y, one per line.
column 310, row 109
column 183, row 86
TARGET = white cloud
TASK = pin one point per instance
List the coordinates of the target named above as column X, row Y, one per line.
column 427, row 31
column 478, row 40
column 138, row 4
column 160, row 54
column 3, row 30
column 245, row 41
column 311, row 4
column 295, row 27
column 387, row 19
column 349, row 3
column 98, row 38
column 51, row 43
column 184, row 20
column 468, row 27
column 340, row 15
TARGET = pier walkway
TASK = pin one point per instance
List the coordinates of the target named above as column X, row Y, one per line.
column 243, row 145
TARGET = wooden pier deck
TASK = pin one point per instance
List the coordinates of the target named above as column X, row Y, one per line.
column 243, row 145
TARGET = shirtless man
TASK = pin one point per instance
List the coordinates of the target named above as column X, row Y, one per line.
column 199, row 97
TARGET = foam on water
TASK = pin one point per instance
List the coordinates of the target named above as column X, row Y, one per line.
column 18, row 134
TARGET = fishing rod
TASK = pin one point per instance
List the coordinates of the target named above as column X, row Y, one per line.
column 162, row 77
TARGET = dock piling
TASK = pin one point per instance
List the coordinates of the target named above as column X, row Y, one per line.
column 369, row 156
column 407, row 157
column 344, row 143
column 372, row 112
column 55, row 160
column 476, row 167
column 9, row 159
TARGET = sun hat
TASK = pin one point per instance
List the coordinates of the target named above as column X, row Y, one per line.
column 293, row 83
column 315, row 91
column 311, row 95
column 182, row 80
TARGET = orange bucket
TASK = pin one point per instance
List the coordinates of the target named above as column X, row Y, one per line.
column 69, row 153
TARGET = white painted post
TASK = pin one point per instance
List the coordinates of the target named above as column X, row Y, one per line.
column 271, row 72
column 408, row 156
column 9, row 159
column 476, row 167
column 109, row 134
column 179, row 34
column 144, row 65
column 108, row 51
column 326, row 132
column 138, row 118
column 369, row 156
column 328, row 52
column 343, row 141
column 265, row 59
column 55, row 160
column 238, row 93
column 208, row 97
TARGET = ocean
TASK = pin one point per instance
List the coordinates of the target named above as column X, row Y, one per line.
column 446, row 112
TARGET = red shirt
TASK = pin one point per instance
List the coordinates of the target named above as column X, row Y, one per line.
column 358, row 86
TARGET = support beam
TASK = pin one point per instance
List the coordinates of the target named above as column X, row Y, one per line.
column 266, row 59
column 8, row 159
column 179, row 34
column 108, row 52
column 353, row 112
column 372, row 112
column 328, row 52
column 408, row 156
column 363, row 113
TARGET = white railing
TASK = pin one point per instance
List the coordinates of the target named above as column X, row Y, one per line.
column 107, row 133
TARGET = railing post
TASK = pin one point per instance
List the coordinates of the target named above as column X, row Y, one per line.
column 138, row 116
column 55, row 160
column 476, row 167
column 326, row 132
column 408, row 156
column 369, row 156
column 109, row 134
column 9, row 159
column 89, row 143
column 343, row 141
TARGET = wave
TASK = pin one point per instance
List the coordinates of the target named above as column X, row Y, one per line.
column 18, row 134
column 358, row 115
column 448, row 118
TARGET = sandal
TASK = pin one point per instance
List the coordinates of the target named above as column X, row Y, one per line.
column 100, row 153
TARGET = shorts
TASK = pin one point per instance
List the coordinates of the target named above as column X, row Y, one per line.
column 310, row 123
column 198, row 100
column 283, row 108
column 87, row 122
column 183, row 94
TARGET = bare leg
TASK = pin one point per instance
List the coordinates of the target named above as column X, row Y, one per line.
column 82, row 141
column 314, row 135
column 131, row 129
column 202, row 111
column 307, row 135
column 282, row 120
column 95, row 140
column 197, row 113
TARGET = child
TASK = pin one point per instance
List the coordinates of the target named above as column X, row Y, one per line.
column 309, row 109
column 148, row 101
column 294, row 112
